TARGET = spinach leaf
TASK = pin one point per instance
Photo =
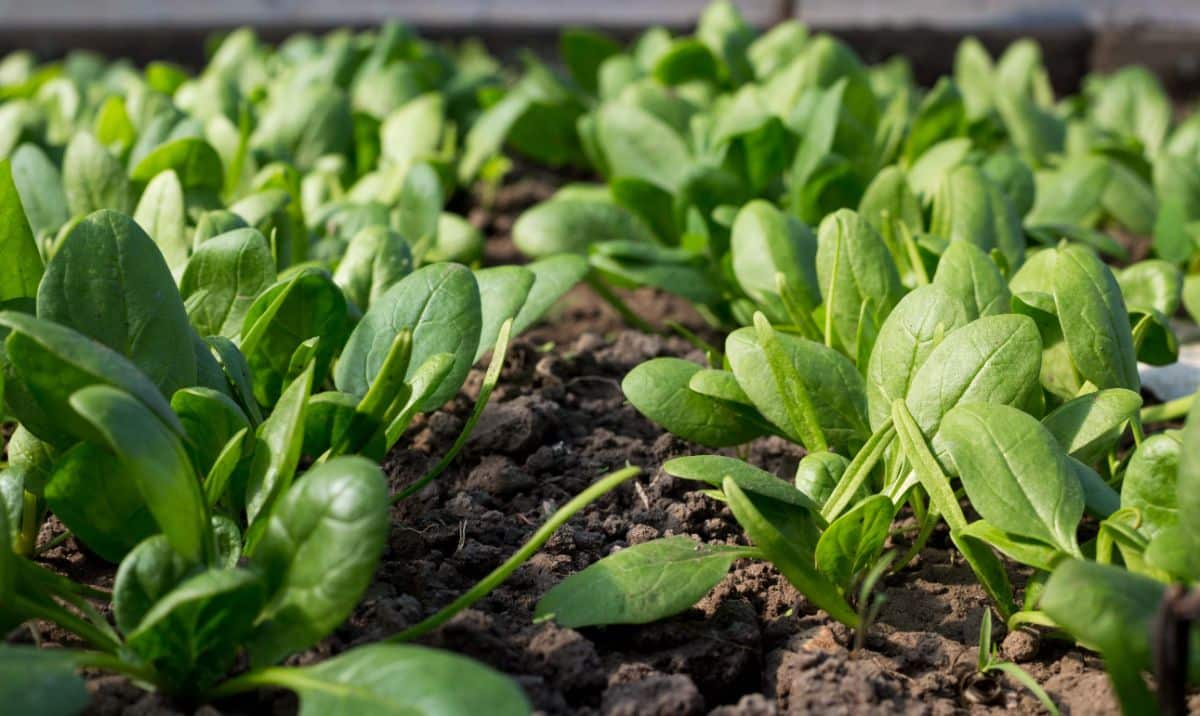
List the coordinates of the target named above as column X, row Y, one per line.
column 855, row 268
column 307, row 307
column 995, row 359
column 192, row 633
column 1014, row 472
column 439, row 304
column 1097, row 331
column 826, row 380
column 51, row 362
column 318, row 554
column 967, row 273
column 161, row 214
column 41, row 681
column 155, row 460
column 223, row 278
column 659, row 390
column 375, row 260
column 713, row 469
column 1090, row 425
column 109, row 282
column 915, row 327
column 853, row 541
column 627, row 587
column 90, row 493
column 93, row 179
column 390, row 679
column 22, row 268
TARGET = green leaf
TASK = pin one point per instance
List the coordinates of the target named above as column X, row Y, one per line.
column 210, row 419
column 92, row 495
column 637, row 144
column 915, row 327
column 145, row 576
column 155, row 460
column 640, row 584
column 573, row 226
column 1097, row 334
column 583, row 51
column 285, row 316
column 419, row 206
column 392, row 679
column 659, row 390
column 51, row 362
column 764, row 243
column 502, row 293
column 819, row 473
column 40, row 185
column 1109, row 609
column 93, row 179
column 855, row 268
column 318, row 554
column 1090, row 425
column 160, row 213
column 853, row 541
column 829, row 382
column 196, row 163
column 41, row 681
column 1151, row 481
column 553, row 278
column 967, row 273
column 439, row 304
column 994, row 359
column 192, row 634
column 21, row 269
column 278, row 441
column 109, row 282
column 223, row 278
column 713, row 469
column 375, row 260
column 1015, row 473
column 969, row 207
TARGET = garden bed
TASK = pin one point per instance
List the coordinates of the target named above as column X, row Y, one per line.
column 752, row 647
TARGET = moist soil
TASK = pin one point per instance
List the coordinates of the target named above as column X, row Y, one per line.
column 754, row 646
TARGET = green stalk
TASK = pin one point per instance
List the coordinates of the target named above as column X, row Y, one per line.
column 110, row 662
column 858, row 471
column 52, row 612
column 598, row 489
column 490, row 379
column 618, row 305
column 30, row 524
column 54, row 542
column 1170, row 410
column 937, row 485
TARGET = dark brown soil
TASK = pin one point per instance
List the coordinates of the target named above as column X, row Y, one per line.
column 752, row 647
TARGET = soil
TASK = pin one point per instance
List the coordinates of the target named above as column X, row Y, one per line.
column 752, row 647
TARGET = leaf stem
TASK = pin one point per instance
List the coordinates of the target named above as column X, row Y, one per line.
column 490, row 379
column 1170, row 410
column 602, row 289
column 540, row 537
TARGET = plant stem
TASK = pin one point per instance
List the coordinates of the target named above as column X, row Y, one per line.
column 490, row 379
column 269, row 676
column 55, row 542
column 539, row 538
column 113, row 663
column 619, row 306
column 27, row 539
column 53, row 612
column 1170, row 410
